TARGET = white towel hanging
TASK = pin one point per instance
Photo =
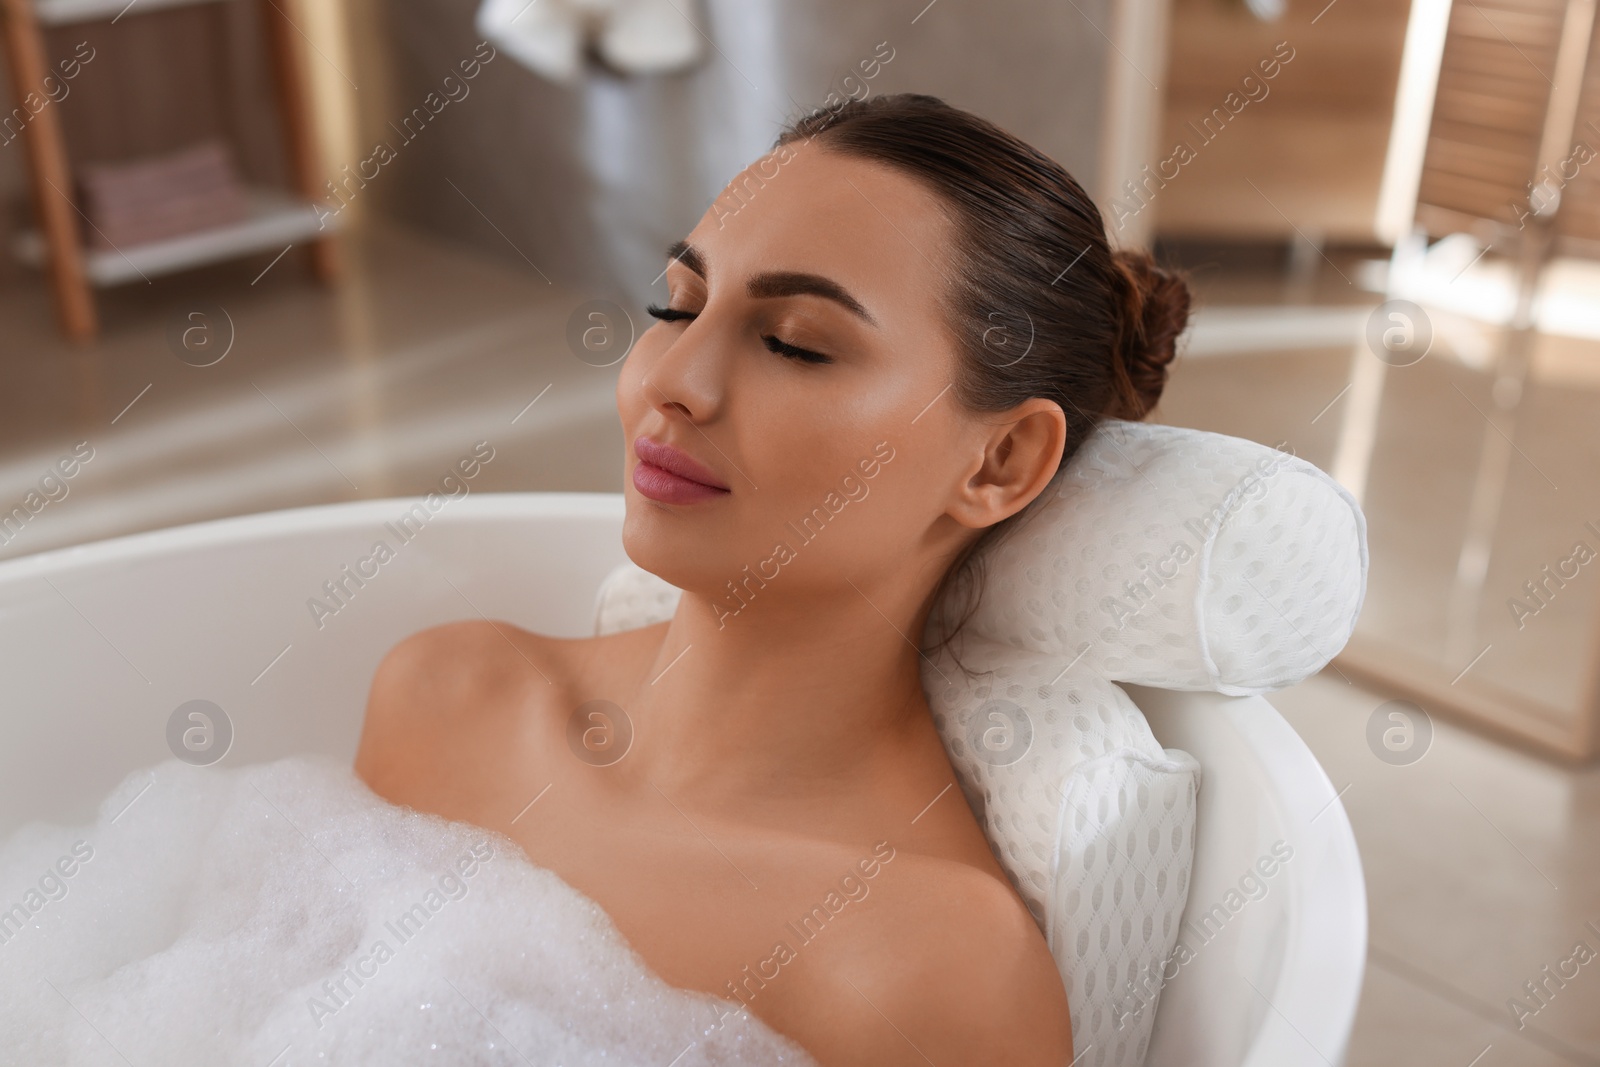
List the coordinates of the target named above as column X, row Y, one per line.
column 632, row 36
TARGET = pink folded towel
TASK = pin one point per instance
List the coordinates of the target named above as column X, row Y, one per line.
column 158, row 197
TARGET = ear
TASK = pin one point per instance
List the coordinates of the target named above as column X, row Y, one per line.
column 1021, row 453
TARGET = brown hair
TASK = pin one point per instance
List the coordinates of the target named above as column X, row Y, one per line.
column 1040, row 302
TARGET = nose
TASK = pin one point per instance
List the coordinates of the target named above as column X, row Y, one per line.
column 687, row 378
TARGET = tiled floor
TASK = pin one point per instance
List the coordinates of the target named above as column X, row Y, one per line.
column 1483, row 861
column 372, row 390
column 1482, row 866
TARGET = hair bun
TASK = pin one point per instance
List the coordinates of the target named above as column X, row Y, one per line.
column 1153, row 307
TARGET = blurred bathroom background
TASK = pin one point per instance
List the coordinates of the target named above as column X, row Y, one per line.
column 264, row 255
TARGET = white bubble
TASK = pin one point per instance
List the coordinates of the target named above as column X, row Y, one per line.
column 223, row 916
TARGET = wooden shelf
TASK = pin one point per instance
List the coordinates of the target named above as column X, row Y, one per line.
column 275, row 219
column 63, row 247
column 65, row 12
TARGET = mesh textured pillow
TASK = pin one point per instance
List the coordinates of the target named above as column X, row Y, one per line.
column 1157, row 556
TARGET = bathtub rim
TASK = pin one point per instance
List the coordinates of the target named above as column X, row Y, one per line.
column 339, row 515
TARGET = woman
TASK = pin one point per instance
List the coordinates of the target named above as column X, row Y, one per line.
column 878, row 346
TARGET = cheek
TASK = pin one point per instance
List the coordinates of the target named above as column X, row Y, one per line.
column 625, row 389
column 813, row 490
column 632, row 403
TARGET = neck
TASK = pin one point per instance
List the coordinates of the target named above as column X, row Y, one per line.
column 794, row 695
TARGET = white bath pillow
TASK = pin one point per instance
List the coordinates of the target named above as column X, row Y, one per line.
column 1182, row 559
column 1159, row 556
column 1089, row 816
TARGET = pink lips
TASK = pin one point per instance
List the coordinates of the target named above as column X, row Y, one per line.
column 672, row 476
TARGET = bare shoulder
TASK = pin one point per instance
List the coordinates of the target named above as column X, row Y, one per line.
column 441, row 669
column 456, row 679
column 455, row 707
column 960, row 975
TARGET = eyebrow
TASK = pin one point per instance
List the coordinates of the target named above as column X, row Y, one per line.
column 689, row 256
column 771, row 284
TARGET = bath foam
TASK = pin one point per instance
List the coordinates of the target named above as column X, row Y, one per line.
column 235, row 916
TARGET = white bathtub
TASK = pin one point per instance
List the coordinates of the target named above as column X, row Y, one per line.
column 100, row 644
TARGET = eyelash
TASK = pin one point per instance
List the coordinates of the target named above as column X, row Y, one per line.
column 668, row 314
column 782, row 348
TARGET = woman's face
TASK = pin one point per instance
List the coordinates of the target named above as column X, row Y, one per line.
column 806, row 368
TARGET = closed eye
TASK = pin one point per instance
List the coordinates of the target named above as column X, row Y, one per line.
column 783, row 348
column 774, row 345
column 668, row 314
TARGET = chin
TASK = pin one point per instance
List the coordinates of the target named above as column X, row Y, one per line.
column 672, row 544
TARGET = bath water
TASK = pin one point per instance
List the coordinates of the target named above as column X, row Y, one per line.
column 281, row 914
